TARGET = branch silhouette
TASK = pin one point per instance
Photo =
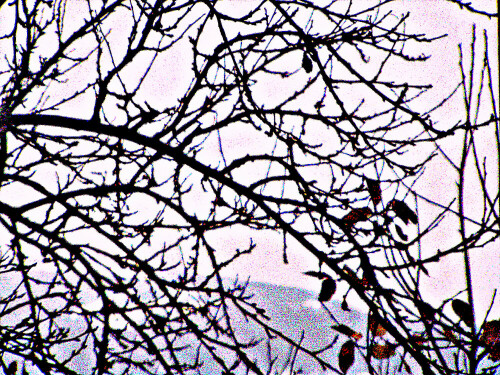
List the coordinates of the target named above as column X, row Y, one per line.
column 133, row 133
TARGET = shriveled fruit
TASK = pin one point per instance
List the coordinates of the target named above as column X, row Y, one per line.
column 356, row 215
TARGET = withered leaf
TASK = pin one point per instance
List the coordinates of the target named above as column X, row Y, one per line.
column 427, row 312
column 464, row 311
column 328, row 287
column 450, row 336
column 344, row 306
column 491, row 333
column 403, row 211
column 356, row 215
column 319, row 104
column 307, row 63
column 383, row 351
column 348, row 331
column 346, row 356
column 375, row 327
column 374, row 190
column 494, row 353
column 418, row 339
column 491, row 339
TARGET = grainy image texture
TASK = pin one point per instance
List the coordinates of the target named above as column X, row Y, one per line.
column 135, row 134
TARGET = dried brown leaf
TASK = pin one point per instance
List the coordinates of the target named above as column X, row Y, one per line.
column 328, row 287
column 307, row 63
column 464, row 311
column 318, row 275
column 342, row 328
column 491, row 333
column 375, row 327
column 356, row 215
column 374, row 190
column 383, row 351
column 354, row 278
column 450, row 336
column 491, row 339
column 346, row 356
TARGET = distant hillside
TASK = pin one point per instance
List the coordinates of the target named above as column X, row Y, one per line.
column 291, row 311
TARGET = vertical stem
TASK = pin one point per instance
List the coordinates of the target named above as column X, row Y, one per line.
column 468, row 277
column 467, row 143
